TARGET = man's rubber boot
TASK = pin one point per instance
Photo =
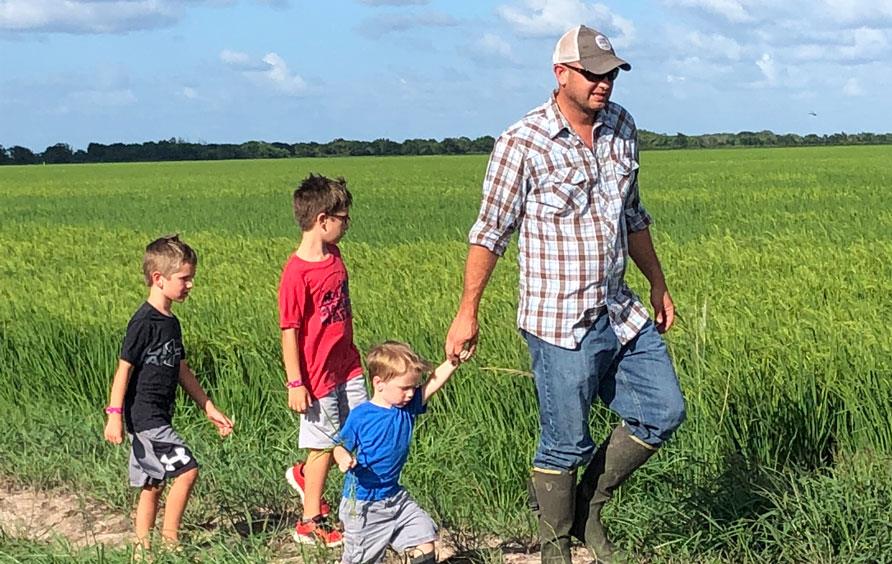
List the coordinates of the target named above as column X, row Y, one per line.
column 555, row 495
column 614, row 461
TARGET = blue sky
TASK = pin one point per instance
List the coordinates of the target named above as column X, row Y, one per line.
column 228, row 71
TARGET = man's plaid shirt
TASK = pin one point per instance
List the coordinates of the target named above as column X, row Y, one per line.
column 573, row 207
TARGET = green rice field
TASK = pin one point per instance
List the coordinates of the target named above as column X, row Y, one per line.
column 779, row 260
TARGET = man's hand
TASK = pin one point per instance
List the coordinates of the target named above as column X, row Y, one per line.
column 223, row 423
column 114, row 429
column 664, row 308
column 299, row 399
column 462, row 336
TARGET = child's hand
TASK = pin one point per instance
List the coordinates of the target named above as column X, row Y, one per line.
column 463, row 357
column 299, row 399
column 114, row 429
column 223, row 423
column 346, row 464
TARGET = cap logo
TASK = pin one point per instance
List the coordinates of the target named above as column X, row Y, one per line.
column 602, row 42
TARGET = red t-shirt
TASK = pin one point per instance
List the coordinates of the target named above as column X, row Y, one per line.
column 314, row 300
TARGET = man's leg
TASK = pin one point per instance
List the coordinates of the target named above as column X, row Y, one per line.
column 566, row 384
column 175, row 505
column 643, row 390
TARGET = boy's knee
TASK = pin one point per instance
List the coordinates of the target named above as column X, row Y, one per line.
column 418, row 555
column 188, row 476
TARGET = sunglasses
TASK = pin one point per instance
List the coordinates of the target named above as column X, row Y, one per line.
column 592, row 77
column 345, row 218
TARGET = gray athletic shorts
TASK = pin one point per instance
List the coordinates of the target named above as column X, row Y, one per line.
column 370, row 526
column 157, row 455
column 320, row 423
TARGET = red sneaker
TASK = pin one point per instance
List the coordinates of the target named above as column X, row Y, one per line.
column 295, row 477
column 317, row 531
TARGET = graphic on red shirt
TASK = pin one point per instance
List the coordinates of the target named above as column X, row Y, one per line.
column 335, row 305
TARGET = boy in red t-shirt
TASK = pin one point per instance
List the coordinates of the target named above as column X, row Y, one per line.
column 321, row 362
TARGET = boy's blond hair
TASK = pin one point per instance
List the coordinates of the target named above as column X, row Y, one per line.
column 167, row 255
column 319, row 194
column 391, row 359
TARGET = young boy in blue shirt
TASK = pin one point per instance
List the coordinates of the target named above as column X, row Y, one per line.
column 373, row 447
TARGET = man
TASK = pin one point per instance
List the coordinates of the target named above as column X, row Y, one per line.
column 566, row 177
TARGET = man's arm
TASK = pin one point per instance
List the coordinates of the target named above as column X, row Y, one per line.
column 190, row 384
column 114, row 425
column 641, row 249
column 464, row 329
column 298, row 395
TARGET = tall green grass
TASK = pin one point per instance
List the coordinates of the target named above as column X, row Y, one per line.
column 780, row 262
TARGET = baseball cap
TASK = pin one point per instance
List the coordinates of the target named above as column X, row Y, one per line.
column 591, row 48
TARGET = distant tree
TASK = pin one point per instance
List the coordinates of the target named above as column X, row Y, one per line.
column 4, row 156
column 483, row 144
column 58, row 153
column 22, row 155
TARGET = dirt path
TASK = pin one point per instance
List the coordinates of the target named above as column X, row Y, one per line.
column 44, row 515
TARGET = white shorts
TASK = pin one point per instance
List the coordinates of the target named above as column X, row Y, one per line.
column 320, row 423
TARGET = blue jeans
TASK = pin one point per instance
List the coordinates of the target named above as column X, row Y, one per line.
column 636, row 381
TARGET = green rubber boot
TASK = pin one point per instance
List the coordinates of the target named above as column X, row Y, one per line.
column 614, row 461
column 555, row 495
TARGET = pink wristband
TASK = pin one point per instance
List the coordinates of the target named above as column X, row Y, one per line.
column 294, row 384
column 116, row 410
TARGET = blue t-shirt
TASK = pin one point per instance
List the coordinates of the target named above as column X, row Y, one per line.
column 379, row 438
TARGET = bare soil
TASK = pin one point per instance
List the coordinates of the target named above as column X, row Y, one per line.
column 46, row 515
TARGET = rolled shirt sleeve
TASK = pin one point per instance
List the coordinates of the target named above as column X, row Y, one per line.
column 504, row 189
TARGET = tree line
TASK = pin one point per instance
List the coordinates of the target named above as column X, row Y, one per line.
column 179, row 150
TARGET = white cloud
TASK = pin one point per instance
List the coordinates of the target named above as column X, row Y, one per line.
column 189, row 92
column 551, row 18
column 852, row 88
column 241, row 61
column 393, row 2
column 492, row 46
column 397, row 22
column 82, row 16
column 731, row 10
column 99, row 16
column 671, row 78
column 712, row 45
column 858, row 45
column 279, row 75
column 270, row 71
column 768, row 67
column 856, row 12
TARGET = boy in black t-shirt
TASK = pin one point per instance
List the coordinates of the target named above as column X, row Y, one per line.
column 152, row 363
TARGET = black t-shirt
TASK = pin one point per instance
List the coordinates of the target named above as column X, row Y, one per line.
column 154, row 346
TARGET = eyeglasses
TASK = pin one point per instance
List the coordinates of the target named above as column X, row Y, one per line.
column 345, row 218
column 592, row 77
